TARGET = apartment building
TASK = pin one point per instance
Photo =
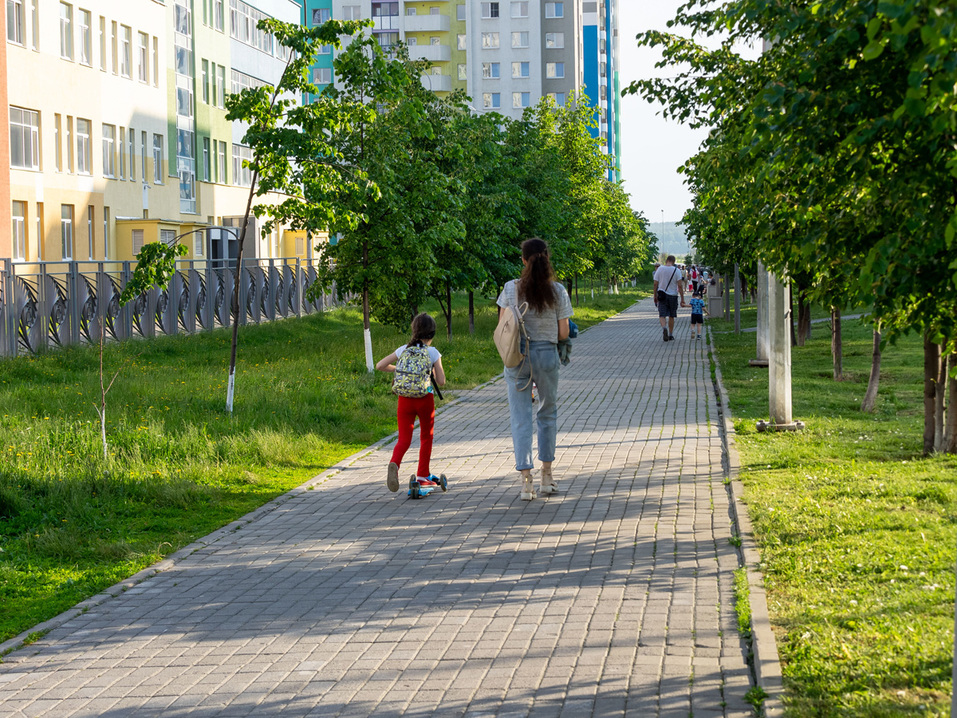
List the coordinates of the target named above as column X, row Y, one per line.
column 600, row 50
column 117, row 130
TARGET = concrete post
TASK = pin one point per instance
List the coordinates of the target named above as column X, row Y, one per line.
column 737, row 300
column 779, row 384
column 763, row 351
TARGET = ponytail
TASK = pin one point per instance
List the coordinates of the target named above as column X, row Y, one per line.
column 535, row 284
column 423, row 329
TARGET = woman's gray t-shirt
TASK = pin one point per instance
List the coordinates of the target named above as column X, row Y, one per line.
column 541, row 326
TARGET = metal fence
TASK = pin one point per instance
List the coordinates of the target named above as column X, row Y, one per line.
column 50, row 304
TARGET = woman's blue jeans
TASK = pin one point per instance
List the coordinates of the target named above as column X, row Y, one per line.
column 544, row 367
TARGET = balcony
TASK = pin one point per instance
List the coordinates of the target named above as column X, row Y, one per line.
column 427, row 23
column 437, row 83
column 432, row 53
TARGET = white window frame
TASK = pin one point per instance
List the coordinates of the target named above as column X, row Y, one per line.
column 66, row 31
column 143, row 61
column 67, row 217
column 157, row 158
column 84, row 146
column 491, row 70
column 109, row 150
column 490, row 41
column 554, row 40
column 554, row 10
column 18, row 235
column 490, row 10
column 27, row 125
column 15, row 22
column 521, row 69
column 520, row 38
column 519, row 8
column 552, row 70
column 491, row 100
column 85, row 28
column 126, row 51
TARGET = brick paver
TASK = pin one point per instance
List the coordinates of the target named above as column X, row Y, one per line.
column 612, row 598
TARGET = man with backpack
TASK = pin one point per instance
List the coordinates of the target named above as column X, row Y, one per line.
column 668, row 287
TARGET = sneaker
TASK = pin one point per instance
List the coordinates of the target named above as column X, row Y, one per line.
column 392, row 478
column 671, row 337
column 664, row 334
column 698, row 337
column 528, row 488
column 549, row 485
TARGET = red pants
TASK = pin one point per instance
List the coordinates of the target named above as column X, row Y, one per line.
column 408, row 410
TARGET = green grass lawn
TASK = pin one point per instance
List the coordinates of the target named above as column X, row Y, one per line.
column 857, row 530
column 180, row 466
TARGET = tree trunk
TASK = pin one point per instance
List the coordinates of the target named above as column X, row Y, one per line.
column 576, row 291
column 471, row 313
column 931, row 377
column 804, row 319
column 950, row 432
column 837, row 345
column 791, row 324
column 940, row 401
column 448, row 304
column 870, row 396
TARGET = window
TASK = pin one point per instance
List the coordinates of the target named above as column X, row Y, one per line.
column 489, row 10
column 520, row 9
column 19, row 233
column 412, row 41
column 114, row 40
column 489, row 40
column 212, row 80
column 221, row 176
column 197, row 242
column 15, row 22
column 66, row 230
column 86, row 38
column 519, row 39
column 84, row 150
column 218, row 14
column 324, row 50
column 57, row 142
column 554, row 70
column 322, row 75
column 24, row 138
column 320, row 16
column 157, row 159
column 435, row 41
column 491, row 99
column 491, row 70
column 521, row 99
column 351, row 12
column 462, row 71
column 137, row 241
column 460, row 42
column 434, row 11
column 35, row 11
column 156, row 53
column 109, row 150
column 242, row 175
column 126, row 51
column 410, row 12
column 132, row 136
column 559, row 98
column 122, row 148
column 103, row 43
column 205, row 79
column 69, row 144
column 554, row 40
column 520, row 69
column 554, row 9
column 89, row 232
column 143, row 156
column 143, row 64
column 207, row 166
column 66, row 31
column 221, row 77
column 460, row 13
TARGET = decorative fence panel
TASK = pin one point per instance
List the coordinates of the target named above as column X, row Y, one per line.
column 50, row 304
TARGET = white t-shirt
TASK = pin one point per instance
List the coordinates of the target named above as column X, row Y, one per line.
column 665, row 282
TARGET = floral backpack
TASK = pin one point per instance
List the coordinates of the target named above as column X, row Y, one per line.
column 413, row 373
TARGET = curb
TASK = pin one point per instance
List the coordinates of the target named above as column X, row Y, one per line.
column 767, row 663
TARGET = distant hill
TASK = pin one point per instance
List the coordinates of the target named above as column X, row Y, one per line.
column 671, row 239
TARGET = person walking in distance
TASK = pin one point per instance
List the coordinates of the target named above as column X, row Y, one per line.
column 667, row 287
column 546, row 323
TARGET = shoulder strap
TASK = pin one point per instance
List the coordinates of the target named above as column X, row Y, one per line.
column 672, row 279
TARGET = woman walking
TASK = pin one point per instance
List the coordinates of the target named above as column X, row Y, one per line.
column 546, row 322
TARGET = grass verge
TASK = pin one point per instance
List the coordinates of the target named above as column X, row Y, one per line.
column 856, row 529
column 179, row 467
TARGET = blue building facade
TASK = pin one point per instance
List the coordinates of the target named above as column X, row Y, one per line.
column 600, row 51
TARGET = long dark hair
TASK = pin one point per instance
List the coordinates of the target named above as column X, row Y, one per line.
column 535, row 284
column 423, row 329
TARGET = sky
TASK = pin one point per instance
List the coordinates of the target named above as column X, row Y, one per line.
column 652, row 148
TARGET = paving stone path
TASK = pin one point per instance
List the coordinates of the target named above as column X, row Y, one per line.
column 613, row 598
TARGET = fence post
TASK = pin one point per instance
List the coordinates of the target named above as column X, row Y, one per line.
column 9, row 310
column 126, row 311
column 73, row 302
column 298, row 294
